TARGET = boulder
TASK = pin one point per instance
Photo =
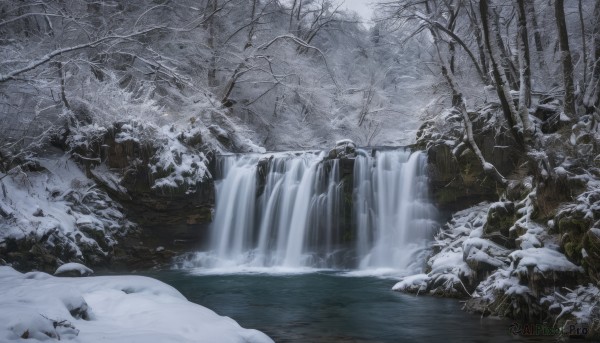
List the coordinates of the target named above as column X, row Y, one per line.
column 73, row 269
column 591, row 252
column 344, row 148
column 501, row 217
column 548, row 112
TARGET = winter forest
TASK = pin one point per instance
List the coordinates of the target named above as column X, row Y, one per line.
column 309, row 171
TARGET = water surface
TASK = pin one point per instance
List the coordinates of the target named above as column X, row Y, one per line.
column 330, row 306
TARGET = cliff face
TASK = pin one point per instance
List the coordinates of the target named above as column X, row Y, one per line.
column 138, row 194
column 163, row 179
column 457, row 178
column 527, row 250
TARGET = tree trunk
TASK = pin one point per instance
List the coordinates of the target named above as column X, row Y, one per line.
column 61, row 76
column 565, row 57
column 252, row 26
column 583, row 43
column 502, row 87
column 524, row 61
column 591, row 100
column 537, row 36
column 292, row 16
column 504, row 57
column 211, row 7
column 480, row 44
column 460, row 42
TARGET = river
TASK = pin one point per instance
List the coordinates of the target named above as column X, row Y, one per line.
column 334, row 306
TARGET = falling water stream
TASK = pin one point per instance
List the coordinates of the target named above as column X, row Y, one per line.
column 299, row 210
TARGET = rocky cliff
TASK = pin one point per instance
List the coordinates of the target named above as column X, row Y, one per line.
column 527, row 249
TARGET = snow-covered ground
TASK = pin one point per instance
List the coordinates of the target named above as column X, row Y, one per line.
column 125, row 309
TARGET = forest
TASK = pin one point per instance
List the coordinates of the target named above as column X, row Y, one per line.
column 450, row 147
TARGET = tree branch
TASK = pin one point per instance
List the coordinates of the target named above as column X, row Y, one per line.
column 49, row 56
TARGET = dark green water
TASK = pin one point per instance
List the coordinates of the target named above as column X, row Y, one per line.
column 331, row 307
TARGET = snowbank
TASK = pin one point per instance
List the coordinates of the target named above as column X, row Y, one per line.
column 108, row 309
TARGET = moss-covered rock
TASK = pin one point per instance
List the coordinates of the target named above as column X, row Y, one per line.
column 457, row 182
column 456, row 175
column 572, row 226
column 501, row 217
column 591, row 253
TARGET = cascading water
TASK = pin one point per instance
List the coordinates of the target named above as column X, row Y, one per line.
column 393, row 217
column 298, row 210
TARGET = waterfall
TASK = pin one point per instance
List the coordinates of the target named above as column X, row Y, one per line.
column 393, row 216
column 297, row 210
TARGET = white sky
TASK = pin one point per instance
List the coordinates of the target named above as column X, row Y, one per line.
column 362, row 7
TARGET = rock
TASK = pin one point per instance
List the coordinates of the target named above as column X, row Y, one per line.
column 501, row 217
column 73, row 269
column 518, row 187
column 478, row 305
column 553, row 192
column 457, row 183
column 549, row 114
column 344, row 148
column 263, row 169
column 221, row 135
column 572, row 225
column 481, row 262
column 591, row 253
column 172, row 212
column 141, row 257
column 456, row 176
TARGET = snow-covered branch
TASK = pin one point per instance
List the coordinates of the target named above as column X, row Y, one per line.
column 51, row 55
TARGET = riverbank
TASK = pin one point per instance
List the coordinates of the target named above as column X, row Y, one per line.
column 124, row 309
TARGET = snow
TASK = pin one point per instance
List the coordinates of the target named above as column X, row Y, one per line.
column 544, row 259
column 126, row 309
column 483, row 257
column 416, row 282
column 502, row 281
column 73, row 267
column 59, row 204
column 183, row 166
column 458, row 242
column 344, row 142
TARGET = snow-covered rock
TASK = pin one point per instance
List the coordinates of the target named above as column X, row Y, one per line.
column 73, row 268
column 413, row 283
column 55, row 215
column 124, row 309
column 527, row 280
column 344, row 148
column 543, row 259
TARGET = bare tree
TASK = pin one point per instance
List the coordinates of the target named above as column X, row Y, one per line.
column 566, row 59
column 524, row 61
column 591, row 99
column 502, row 87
